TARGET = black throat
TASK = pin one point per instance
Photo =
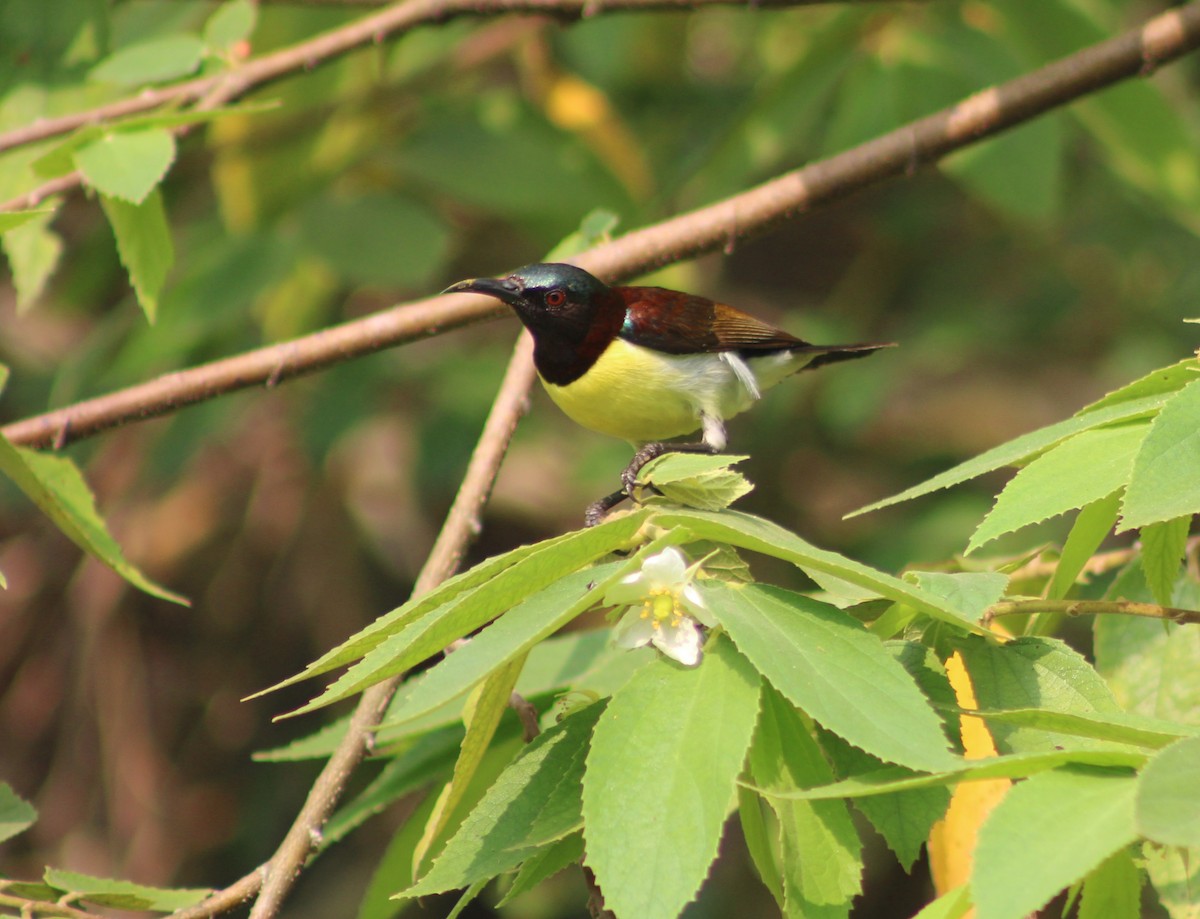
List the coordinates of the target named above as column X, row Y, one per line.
column 569, row 342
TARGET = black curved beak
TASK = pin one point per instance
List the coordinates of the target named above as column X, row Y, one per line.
column 504, row 289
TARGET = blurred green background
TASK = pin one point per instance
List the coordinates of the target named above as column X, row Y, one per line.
column 1022, row 278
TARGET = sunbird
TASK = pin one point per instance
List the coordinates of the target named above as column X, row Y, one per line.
column 648, row 364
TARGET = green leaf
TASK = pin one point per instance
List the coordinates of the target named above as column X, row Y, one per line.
column 758, row 841
column 830, row 666
column 232, row 22
column 1163, row 548
column 953, row 904
column 1082, row 469
column 10, row 220
column 760, row 535
column 892, row 779
column 1112, row 726
column 16, row 814
column 661, row 779
column 124, row 894
column 1162, row 382
column 506, row 639
column 481, row 716
column 1168, row 806
column 1049, row 831
column 970, row 593
column 536, row 800
column 546, row 862
column 1092, row 524
column 1113, row 891
column 152, row 61
column 820, row 851
column 127, row 164
column 1175, row 874
column 144, row 244
column 1027, row 446
column 695, row 480
column 1032, row 672
column 1157, row 491
column 1150, row 665
column 55, row 485
column 468, row 600
column 33, row 251
column 595, row 228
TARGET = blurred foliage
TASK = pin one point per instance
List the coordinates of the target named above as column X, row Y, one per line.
column 1023, row 278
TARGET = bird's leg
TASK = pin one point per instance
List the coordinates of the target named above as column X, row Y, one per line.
column 597, row 509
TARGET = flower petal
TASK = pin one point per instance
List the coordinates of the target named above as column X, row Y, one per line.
column 633, row 631
column 665, row 569
column 630, row 589
column 681, row 642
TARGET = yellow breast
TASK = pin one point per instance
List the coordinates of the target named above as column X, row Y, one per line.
column 642, row 396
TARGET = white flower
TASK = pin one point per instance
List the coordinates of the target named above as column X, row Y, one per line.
column 665, row 608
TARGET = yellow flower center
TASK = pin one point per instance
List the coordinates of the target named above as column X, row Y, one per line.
column 661, row 605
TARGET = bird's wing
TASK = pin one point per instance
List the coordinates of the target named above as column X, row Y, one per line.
column 679, row 323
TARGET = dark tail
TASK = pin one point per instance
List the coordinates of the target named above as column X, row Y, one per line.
column 831, row 354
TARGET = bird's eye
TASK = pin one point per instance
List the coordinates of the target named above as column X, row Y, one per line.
column 556, row 297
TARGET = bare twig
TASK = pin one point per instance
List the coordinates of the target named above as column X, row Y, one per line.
column 1090, row 608
column 528, row 715
column 1098, row 564
column 461, row 526
column 1162, row 39
column 32, row 908
column 371, row 29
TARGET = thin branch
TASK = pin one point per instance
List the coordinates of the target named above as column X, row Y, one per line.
column 369, row 30
column 1090, row 608
column 1100, row 563
column 461, row 526
column 51, row 910
column 719, row 226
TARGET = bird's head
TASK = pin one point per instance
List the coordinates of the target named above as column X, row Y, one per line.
column 551, row 298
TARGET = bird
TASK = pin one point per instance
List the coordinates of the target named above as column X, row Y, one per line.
column 648, row 364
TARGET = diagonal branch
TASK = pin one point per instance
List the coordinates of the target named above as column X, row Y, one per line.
column 1090, row 608
column 369, row 30
column 1137, row 52
column 274, row 880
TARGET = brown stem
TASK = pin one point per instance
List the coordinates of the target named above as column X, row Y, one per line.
column 371, row 29
column 1162, row 39
column 461, row 525
column 1091, row 607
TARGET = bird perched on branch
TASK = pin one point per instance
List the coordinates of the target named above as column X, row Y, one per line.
column 647, row 364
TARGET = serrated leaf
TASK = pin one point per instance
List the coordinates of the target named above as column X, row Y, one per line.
column 892, row 779
column 55, row 485
column 1082, row 469
column 546, row 862
column 1150, row 665
column 820, row 851
column 1161, row 382
column 144, row 244
column 830, row 666
column 758, row 535
column 487, row 703
column 758, row 841
column 1049, row 831
column 16, row 814
column 661, row 779
column 697, row 480
column 1168, row 807
column 1027, row 446
column 33, row 251
column 1031, row 672
column 127, row 164
column 970, row 593
column 1092, row 524
column 1159, row 488
column 1163, row 548
column 509, row 637
column 478, row 595
column 124, row 894
column 1112, row 726
column 232, row 22
column 1112, row 891
column 152, row 61
column 1175, row 874
column 536, row 798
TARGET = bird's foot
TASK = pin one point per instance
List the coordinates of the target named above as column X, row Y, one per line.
column 629, row 478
